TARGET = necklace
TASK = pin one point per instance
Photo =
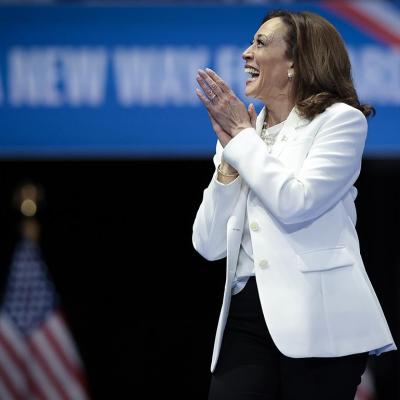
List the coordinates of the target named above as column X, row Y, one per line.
column 268, row 137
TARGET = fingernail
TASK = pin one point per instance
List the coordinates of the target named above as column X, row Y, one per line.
column 209, row 70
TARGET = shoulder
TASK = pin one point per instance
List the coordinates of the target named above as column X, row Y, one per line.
column 342, row 111
column 343, row 117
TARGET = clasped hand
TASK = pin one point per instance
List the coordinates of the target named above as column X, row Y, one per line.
column 227, row 112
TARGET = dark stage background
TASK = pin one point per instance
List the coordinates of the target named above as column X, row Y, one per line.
column 142, row 305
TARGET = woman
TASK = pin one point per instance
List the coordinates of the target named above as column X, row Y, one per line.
column 299, row 314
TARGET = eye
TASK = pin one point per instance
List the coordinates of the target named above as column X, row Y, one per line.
column 259, row 42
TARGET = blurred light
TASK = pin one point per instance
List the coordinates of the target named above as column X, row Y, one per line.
column 28, row 208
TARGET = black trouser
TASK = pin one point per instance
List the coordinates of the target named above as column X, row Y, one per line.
column 251, row 367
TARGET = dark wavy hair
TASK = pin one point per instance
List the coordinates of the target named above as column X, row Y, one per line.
column 322, row 68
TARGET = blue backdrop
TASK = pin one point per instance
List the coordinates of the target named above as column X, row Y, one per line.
column 87, row 81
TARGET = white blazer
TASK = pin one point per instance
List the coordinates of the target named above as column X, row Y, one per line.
column 315, row 294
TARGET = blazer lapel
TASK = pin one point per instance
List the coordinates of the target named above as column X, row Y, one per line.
column 288, row 132
column 260, row 121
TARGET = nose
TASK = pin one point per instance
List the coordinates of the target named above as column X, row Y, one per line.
column 247, row 54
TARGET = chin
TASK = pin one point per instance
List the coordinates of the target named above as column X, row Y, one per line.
column 251, row 90
column 250, row 93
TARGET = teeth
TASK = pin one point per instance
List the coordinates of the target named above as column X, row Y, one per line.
column 253, row 73
column 251, row 70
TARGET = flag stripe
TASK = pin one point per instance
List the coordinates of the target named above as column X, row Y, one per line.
column 11, row 348
column 11, row 351
column 4, row 393
column 34, row 389
column 13, row 374
column 40, row 383
column 58, row 328
column 13, row 338
column 57, row 349
column 363, row 21
column 8, row 383
column 386, row 13
column 53, row 382
column 61, row 374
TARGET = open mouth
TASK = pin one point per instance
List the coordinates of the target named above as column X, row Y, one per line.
column 252, row 72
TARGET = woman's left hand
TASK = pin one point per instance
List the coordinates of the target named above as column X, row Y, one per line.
column 222, row 104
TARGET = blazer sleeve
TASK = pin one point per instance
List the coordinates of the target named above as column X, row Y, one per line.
column 332, row 166
column 209, row 228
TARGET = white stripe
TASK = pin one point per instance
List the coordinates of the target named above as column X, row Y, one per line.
column 65, row 379
column 41, row 379
column 4, row 393
column 11, row 369
column 63, row 337
column 14, row 337
column 382, row 12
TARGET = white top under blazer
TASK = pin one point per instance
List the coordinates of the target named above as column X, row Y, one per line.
column 315, row 294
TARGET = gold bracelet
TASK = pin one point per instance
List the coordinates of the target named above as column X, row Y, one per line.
column 229, row 175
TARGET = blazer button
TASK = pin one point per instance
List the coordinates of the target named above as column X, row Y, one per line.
column 254, row 226
column 263, row 264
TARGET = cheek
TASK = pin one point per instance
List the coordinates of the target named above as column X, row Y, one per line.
column 275, row 75
column 273, row 69
column 271, row 76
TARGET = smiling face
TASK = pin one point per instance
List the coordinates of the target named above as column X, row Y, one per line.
column 266, row 63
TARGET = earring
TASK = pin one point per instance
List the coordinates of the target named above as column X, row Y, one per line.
column 290, row 75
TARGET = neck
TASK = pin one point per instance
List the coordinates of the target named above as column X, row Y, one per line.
column 278, row 112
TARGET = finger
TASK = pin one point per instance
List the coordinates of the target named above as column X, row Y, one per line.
column 253, row 115
column 203, row 98
column 216, row 78
column 213, row 122
column 214, row 86
column 222, row 135
column 206, row 89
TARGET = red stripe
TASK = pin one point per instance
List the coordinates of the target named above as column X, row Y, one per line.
column 16, row 394
column 47, row 369
column 363, row 21
column 34, row 388
column 11, row 351
column 19, row 362
column 73, row 370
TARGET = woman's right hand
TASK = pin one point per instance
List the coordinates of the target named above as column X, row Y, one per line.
column 223, row 136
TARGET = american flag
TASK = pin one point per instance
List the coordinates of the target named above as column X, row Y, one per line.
column 38, row 358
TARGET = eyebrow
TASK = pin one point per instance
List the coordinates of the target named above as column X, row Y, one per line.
column 267, row 38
